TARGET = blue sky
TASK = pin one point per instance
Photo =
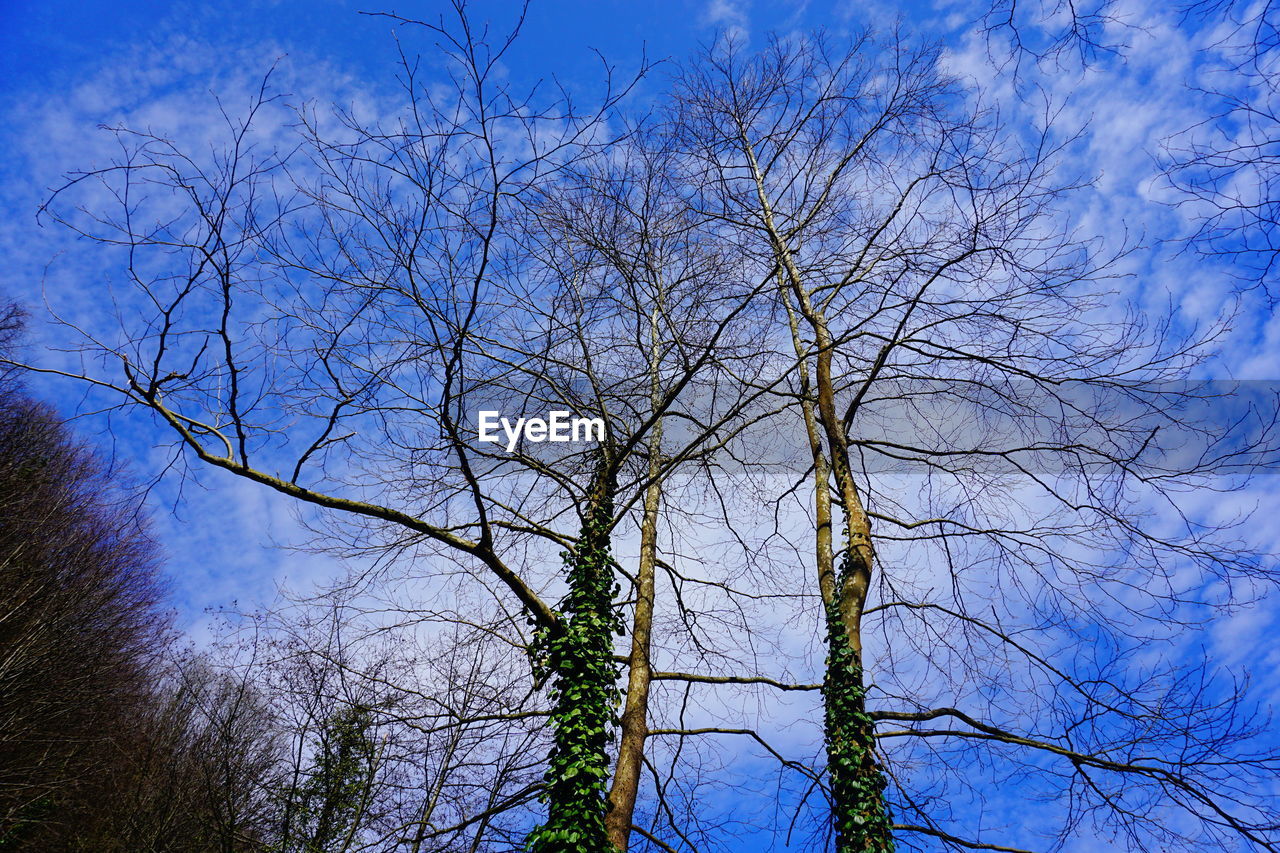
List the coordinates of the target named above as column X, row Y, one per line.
column 68, row 66
column 48, row 45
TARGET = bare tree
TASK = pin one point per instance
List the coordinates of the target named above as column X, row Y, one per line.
column 80, row 627
column 409, row 726
column 821, row 242
column 343, row 302
column 368, row 285
column 1224, row 169
column 108, row 743
column 954, row 346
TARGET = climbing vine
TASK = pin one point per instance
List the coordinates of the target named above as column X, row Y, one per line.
column 861, row 816
column 578, row 655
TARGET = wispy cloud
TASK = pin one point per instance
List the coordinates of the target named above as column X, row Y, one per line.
column 227, row 544
column 730, row 16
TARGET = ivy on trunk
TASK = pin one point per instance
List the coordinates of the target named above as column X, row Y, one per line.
column 862, row 822
column 578, row 655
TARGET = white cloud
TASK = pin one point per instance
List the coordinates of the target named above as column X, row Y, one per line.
column 731, row 16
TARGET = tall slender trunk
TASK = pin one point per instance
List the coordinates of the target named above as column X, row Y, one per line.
column 859, row 812
column 578, row 655
column 862, row 822
column 635, row 712
column 824, row 551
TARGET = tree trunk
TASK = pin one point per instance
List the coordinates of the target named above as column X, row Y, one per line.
column 856, row 780
column 635, row 713
column 862, row 823
column 859, row 813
